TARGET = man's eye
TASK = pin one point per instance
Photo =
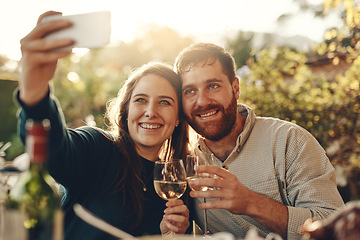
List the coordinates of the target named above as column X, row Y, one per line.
column 188, row 91
column 213, row 86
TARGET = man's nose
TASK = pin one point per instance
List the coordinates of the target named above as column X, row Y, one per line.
column 203, row 98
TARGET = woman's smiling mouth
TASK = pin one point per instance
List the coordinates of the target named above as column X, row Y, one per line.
column 150, row 126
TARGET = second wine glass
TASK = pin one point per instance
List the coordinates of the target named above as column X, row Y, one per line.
column 192, row 161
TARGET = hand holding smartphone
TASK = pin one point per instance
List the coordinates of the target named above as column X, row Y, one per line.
column 89, row 30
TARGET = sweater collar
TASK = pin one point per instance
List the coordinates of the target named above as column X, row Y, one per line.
column 246, row 111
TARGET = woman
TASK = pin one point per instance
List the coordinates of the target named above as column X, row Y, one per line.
column 109, row 173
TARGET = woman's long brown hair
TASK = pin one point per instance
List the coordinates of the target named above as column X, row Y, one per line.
column 128, row 179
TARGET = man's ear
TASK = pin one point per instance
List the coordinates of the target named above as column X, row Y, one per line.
column 236, row 87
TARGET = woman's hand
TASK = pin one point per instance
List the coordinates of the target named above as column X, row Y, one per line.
column 176, row 218
column 38, row 62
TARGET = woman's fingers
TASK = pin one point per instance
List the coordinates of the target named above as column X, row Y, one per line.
column 37, row 50
column 43, row 28
column 44, row 44
column 176, row 216
column 35, row 40
column 174, row 202
column 45, row 14
column 182, row 210
column 176, row 223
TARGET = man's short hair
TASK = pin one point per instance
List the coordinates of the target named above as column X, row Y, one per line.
column 207, row 53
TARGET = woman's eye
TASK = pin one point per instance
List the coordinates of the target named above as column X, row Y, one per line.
column 141, row 100
column 165, row 102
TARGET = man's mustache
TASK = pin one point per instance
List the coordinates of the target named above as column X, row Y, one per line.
column 208, row 108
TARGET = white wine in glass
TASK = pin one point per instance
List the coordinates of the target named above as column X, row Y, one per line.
column 169, row 179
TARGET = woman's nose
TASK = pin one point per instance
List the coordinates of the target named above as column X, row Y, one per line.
column 151, row 111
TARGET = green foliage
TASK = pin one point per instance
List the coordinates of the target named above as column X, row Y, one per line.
column 240, row 48
column 8, row 121
column 282, row 85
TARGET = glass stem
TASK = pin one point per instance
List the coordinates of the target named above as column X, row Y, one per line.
column 206, row 232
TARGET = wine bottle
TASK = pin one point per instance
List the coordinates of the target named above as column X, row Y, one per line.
column 35, row 194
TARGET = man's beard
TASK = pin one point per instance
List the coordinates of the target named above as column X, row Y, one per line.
column 214, row 131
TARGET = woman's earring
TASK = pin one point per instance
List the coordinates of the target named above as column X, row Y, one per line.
column 177, row 123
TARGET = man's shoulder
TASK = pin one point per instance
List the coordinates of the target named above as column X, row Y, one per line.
column 276, row 124
column 274, row 121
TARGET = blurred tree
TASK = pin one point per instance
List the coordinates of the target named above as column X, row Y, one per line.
column 240, row 47
column 7, row 106
column 8, row 121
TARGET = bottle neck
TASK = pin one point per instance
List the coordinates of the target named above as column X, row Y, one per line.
column 38, row 167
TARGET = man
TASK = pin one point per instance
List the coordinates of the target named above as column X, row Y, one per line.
column 274, row 174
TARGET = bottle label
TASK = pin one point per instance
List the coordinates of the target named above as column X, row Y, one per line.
column 36, row 147
column 37, row 141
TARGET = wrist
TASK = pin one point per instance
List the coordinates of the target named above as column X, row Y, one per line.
column 31, row 98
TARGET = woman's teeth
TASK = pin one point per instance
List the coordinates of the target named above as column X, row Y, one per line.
column 150, row 126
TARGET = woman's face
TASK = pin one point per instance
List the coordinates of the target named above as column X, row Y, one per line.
column 153, row 112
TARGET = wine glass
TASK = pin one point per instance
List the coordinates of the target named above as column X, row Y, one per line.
column 192, row 161
column 169, row 178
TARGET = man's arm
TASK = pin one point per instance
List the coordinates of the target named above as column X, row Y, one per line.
column 269, row 213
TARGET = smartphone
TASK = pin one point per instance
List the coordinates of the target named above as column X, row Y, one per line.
column 88, row 30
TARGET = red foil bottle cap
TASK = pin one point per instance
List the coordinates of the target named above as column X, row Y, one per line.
column 37, row 140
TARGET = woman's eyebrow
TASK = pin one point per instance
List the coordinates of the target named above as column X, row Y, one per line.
column 167, row 97
column 140, row 95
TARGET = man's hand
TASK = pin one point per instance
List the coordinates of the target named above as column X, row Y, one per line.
column 234, row 197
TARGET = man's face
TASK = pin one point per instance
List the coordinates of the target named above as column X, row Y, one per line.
column 209, row 100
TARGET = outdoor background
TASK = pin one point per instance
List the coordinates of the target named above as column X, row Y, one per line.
column 297, row 60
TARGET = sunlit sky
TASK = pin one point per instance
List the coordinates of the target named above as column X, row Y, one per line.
column 204, row 20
